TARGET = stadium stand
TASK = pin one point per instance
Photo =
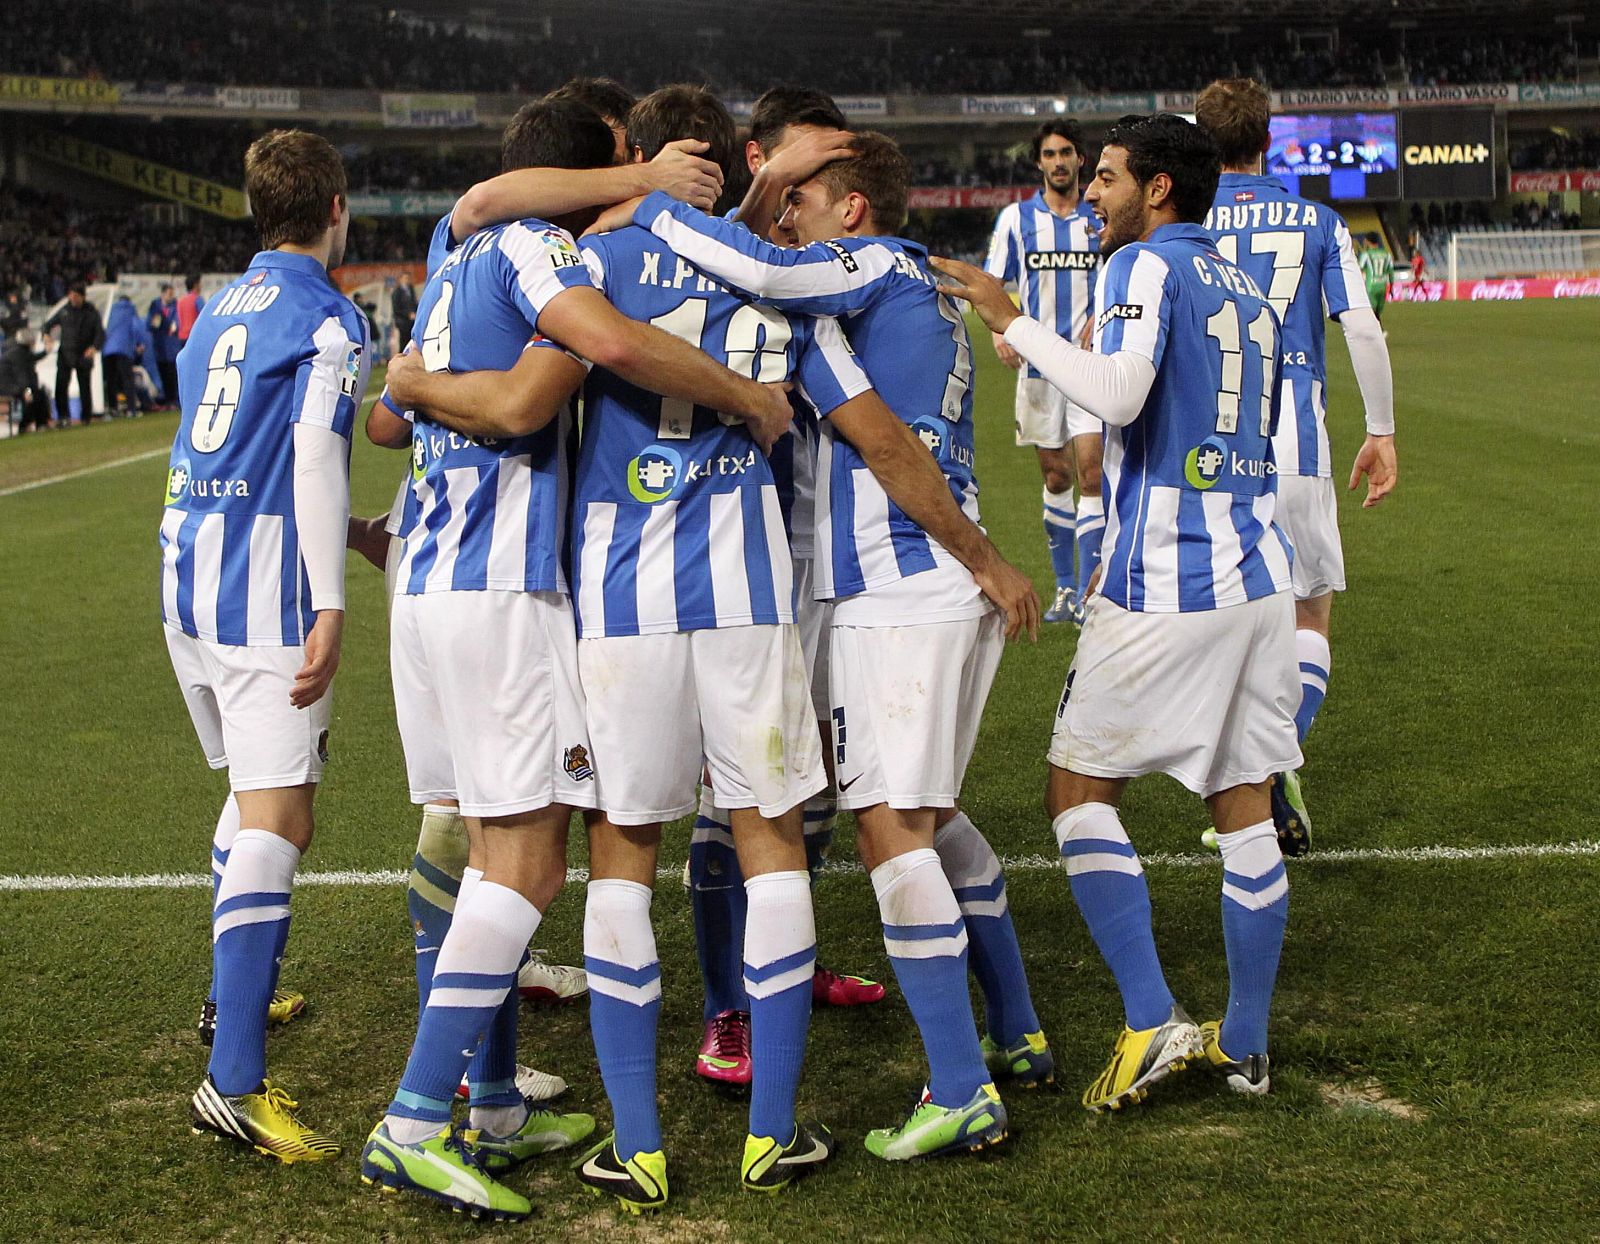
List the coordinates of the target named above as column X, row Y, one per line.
column 385, row 49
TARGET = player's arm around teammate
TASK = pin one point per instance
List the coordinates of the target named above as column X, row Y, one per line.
column 516, row 402
column 1220, row 641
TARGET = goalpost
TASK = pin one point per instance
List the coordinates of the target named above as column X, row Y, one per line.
column 1528, row 254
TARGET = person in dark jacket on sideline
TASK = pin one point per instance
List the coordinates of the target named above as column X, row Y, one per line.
column 78, row 334
column 19, row 380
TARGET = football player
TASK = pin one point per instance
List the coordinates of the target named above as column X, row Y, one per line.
column 252, row 590
column 500, row 722
column 1300, row 253
column 1193, row 608
column 1048, row 246
column 916, row 635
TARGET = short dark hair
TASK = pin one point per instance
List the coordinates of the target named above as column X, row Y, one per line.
column 1166, row 143
column 77, row 288
column 1237, row 113
column 607, row 96
column 782, row 106
column 879, row 172
column 192, row 281
column 1374, row 239
column 292, row 177
column 685, row 111
column 166, row 286
column 556, row 133
column 1067, row 128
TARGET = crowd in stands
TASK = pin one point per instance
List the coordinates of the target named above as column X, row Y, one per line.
column 48, row 242
column 1556, row 149
column 311, row 44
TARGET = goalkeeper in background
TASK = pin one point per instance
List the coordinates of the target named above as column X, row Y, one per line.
column 1377, row 267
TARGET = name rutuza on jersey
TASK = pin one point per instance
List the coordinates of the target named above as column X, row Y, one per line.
column 678, row 523
column 1191, row 483
column 914, row 347
column 490, row 515
column 1052, row 260
column 278, row 346
column 1300, row 253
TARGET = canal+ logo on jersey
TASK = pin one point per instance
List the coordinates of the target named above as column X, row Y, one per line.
column 1203, row 467
column 655, row 474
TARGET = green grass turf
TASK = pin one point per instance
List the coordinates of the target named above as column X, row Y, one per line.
column 1447, row 1007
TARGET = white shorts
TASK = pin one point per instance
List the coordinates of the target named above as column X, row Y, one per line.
column 238, row 699
column 907, row 701
column 1308, row 512
column 1207, row 698
column 1041, row 414
column 491, row 710
column 1081, row 423
column 813, row 617
column 737, row 696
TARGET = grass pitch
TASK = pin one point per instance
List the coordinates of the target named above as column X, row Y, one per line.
column 1434, row 1071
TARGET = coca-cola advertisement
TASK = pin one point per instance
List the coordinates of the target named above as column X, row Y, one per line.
column 1515, row 289
column 1499, row 289
column 1559, row 182
column 966, row 196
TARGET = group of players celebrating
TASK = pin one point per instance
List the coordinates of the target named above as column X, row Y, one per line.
column 746, row 578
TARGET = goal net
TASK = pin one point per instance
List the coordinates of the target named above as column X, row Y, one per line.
column 1550, row 254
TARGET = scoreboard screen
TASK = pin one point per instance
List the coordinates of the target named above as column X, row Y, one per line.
column 1333, row 156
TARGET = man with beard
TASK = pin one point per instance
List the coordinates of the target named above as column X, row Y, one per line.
column 1048, row 246
column 1187, row 661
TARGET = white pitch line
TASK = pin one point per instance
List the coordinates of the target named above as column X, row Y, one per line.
column 91, row 470
column 1017, row 864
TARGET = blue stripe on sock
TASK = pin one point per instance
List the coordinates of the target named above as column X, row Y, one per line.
column 1098, row 846
column 922, row 932
column 436, row 876
column 1255, row 885
column 1311, row 667
column 981, row 893
column 616, row 972
column 469, row 980
column 779, row 966
column 241, row 901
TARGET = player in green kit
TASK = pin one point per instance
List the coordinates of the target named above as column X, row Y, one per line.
column 1377, row 266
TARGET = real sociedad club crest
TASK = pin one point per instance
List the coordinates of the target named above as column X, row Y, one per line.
column 1203, row 467
column 575, row 760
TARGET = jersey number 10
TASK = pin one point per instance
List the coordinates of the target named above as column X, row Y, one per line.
column 747, row 352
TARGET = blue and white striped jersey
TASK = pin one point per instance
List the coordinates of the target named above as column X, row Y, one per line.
column 914, row 346
column 279, row 346
column 1190, row 484
column 677, row 519
column 491, row 515
column 1300, row 253
column 1052, row 260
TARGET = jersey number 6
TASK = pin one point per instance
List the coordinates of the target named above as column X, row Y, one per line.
column 213, row 417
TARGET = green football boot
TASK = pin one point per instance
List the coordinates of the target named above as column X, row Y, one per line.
column 1289, row 815
column 770, row 1167
column 543, row 1132
column 1026, row 1062
column 443, row 1168
column 639, row 1184
column 931, row 1130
